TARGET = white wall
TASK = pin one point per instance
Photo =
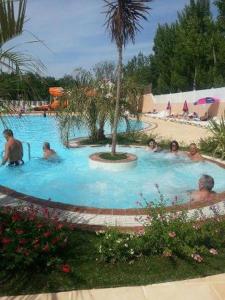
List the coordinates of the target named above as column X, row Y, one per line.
column 190, row 96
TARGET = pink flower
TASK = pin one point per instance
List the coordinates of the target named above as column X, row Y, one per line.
column 197, row 257
column 213, row 251
column 172, row 234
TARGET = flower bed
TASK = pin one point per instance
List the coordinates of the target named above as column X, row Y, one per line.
column 172, row 234
column 32, row 237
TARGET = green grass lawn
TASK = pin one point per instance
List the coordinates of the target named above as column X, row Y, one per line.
column 87, row 272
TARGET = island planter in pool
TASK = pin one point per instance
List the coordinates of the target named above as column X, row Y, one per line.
column 118, row 162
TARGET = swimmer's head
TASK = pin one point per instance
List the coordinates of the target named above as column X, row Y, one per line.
column 8, row 133
column 193, row 149
column 46, row 146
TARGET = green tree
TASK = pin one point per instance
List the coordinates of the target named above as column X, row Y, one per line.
column 123, row 21
column 138, row 69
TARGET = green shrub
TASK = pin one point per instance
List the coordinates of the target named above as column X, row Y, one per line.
column 110, row 156
column 215, row 145
column 207, row 145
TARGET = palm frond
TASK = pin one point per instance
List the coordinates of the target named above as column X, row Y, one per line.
column 11, row 25
column 15, row 61
column 123, row 19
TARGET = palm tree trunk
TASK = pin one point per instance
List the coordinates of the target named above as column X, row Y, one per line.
column 116, row 116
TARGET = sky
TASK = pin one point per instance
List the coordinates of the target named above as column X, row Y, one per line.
column 73, row 34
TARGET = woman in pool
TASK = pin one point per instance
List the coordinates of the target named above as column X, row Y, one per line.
column 153, row 146
column 174, row 147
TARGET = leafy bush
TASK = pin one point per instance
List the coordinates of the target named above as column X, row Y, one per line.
column 171, row 234
column 110, row 156
column 207, row 145
column 218, row 131
column 32, row 237
column 135, row 137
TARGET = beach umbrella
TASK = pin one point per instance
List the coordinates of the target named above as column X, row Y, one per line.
column 168, row 106
column 185, row 107
column 206, row 100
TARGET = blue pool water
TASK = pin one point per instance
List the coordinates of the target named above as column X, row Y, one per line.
column 73, row 180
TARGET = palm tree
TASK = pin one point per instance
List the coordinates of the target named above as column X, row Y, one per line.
column 11, row 26
column 123, row 21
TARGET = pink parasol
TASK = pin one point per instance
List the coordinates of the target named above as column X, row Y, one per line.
column 206, row 100
column 168, row 106
column 185, row 107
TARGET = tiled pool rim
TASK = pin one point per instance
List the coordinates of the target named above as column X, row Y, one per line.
column 99, row 218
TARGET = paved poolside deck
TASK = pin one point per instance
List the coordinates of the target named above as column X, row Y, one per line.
column 208, row 288
column 183, row 133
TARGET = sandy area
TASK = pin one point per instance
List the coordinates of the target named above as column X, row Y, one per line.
column 183, row 133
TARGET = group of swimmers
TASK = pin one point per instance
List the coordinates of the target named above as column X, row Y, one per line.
column 206, row 182
column 174, row 147
column 14, row 156
column 14, row 150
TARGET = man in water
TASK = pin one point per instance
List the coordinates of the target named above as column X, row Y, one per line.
column 193, row 153
column 13, row 150
column 48, row 152
column 205, row 192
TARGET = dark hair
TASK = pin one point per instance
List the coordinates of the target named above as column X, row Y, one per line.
column 176, row 143
column 8, row 132
column 46, row 145
column 152, row 140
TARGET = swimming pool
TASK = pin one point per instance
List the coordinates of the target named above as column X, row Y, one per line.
column 73, row 180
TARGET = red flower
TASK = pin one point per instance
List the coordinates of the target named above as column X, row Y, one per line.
column 19, row 231
column 55, row 240
column 6, row 241
column 16, row 217
column 47, row 234
column 31, row 217
column 22, row 241
column 40, row 225
column 26, row 253
column 66, row 268
column 18, row 250
column 36, row 242
column 46, row 248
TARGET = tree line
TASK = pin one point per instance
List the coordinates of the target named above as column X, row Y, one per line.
column 187, row 54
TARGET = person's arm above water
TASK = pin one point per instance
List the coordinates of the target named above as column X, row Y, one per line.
column 6, row 155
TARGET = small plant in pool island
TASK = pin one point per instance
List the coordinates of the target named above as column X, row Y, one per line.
column 166, row 234
column 123, row 21
column 32, row 237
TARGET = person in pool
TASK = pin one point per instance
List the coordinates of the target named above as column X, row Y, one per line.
column 153, row 146
column 48, row 152
column 174, row 147
column 13, row 150
column 205, row 190
column 193, row 153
